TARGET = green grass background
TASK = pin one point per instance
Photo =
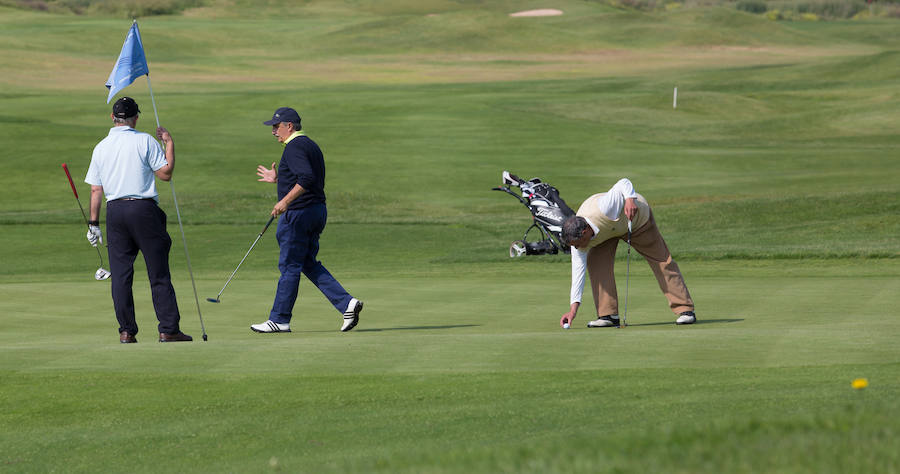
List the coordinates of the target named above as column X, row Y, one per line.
column 774, row 183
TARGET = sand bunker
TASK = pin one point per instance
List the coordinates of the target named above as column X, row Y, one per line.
column 541, row 12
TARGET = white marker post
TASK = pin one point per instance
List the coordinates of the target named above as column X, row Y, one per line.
column 675, row 99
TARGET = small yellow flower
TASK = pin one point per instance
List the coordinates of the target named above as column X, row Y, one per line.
column 859, row 383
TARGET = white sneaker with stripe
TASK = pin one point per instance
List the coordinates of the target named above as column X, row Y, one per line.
column 351, row 315
column 270, row 326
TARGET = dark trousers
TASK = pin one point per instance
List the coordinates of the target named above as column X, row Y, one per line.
column 298, row 238
column 133, row 226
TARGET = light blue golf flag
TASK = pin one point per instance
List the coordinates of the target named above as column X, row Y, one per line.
column 131, row 64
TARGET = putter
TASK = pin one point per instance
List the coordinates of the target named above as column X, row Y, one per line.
column 216, row 299
column 101, row 273
column 622, row 322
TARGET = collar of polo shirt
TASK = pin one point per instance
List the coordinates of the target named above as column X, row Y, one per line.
column 298, row 133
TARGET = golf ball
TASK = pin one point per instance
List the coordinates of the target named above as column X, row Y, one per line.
column 566, row 326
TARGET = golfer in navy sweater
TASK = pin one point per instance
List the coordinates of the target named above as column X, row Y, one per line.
column 300, row 179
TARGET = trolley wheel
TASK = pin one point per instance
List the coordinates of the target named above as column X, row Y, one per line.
column 517, row 249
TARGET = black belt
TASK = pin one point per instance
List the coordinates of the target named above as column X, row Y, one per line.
column 133, row 199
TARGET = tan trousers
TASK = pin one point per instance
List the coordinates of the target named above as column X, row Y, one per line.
column 648, row 242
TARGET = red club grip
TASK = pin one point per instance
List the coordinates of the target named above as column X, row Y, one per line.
column 66, row 169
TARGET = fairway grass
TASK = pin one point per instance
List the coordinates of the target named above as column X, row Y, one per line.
column 482, row 379
column 774, row 183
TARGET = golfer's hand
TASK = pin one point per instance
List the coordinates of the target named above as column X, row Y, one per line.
column 630, row 208
column 94, row 235
column 267, row 175
column 567, row 318
column 279, row 209
column 163, row 135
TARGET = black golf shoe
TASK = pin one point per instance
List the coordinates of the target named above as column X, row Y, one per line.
column 174, row 337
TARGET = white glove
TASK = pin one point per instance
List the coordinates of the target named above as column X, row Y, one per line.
column 94, row 235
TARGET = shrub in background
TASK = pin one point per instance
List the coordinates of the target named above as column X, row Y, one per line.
column 120, row 8
column 752, row 6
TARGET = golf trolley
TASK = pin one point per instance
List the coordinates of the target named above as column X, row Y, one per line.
column 548, row 211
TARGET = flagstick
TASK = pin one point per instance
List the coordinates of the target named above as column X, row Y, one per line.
column 153, row 100
column 178, row 213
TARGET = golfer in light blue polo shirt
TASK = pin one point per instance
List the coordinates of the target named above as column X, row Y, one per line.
column 124, row 164
column 124, row 168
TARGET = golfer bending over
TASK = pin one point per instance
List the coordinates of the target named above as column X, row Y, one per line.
column 300, row 179
column 122, row 168
column 594, row 233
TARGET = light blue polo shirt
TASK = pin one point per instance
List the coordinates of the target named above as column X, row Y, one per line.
column 124, row 162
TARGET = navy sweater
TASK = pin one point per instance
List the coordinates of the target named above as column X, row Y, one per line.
column 302, row 163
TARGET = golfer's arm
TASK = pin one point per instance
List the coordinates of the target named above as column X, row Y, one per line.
column 96, row 198
column 293, row 194
column 579, row 268
column 165, row 173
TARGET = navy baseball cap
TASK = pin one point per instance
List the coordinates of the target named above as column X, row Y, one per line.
column 284, row 114
column 125, row 108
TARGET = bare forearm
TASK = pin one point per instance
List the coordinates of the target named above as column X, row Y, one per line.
column 96, row 197
column 294, row 193
column 165, row 173
column 282, row 205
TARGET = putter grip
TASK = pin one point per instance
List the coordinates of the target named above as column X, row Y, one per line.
column 71, row 183
column 267, row 225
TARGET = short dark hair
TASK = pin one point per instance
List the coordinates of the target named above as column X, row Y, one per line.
column 572, row 229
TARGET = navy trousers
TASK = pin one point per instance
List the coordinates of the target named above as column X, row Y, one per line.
column 133, row 226
column 298, row 238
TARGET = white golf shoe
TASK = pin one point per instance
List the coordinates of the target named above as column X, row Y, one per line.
column 686, row 317
column 270, row 326
column 351, row 315
column 605, row 322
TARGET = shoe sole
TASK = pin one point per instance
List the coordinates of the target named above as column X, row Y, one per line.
column 355, row 320
column 270, row 326
column 612, row 325
column 267, row 332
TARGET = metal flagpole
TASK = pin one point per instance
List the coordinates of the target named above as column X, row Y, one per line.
column 180, row 225
column 178, row 213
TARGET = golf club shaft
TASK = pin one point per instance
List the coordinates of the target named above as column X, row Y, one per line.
column 245, row 256
column 627, row 274
column 75, row 192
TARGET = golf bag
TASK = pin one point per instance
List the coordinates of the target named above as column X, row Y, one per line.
column 548, row 212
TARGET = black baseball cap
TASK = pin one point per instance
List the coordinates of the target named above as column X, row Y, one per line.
column 284, row 114
column 125, row 108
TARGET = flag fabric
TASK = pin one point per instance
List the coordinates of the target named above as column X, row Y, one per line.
column 131, row 64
